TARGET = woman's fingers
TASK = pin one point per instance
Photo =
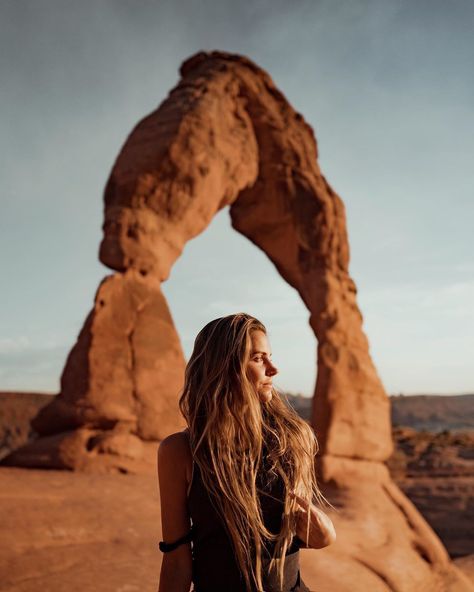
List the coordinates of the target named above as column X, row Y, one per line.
column 302, row 502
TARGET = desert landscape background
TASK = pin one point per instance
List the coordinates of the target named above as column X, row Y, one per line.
column 433, row 459
column 100, row 532
column 127, row 138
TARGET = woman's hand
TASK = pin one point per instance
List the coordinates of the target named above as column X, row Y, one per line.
column 321, row 529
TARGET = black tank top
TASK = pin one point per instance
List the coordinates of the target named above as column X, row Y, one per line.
column 215, row 568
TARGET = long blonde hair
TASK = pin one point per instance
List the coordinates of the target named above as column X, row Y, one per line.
column 228, row 426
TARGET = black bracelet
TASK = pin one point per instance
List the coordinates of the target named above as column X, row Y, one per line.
column 166, row 547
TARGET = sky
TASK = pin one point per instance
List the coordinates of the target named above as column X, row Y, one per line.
column 387, row 86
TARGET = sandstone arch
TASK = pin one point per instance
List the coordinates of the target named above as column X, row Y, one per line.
column 227, row 136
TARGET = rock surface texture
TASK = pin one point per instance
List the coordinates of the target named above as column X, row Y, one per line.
column 119, row 388
column 226, row 136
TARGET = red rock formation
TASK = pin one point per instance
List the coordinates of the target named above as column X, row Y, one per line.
column 119, row 388
column 227, row 136
column 127, row 366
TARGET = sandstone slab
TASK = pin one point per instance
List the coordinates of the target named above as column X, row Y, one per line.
column 99, row 532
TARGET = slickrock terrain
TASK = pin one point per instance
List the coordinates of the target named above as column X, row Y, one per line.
column 435, row 471
column 225, row 136
column 77, row 532
column 80, row 532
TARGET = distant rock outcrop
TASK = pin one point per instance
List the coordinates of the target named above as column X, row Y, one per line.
column 436, row 471
column 16, row 412
column 227, row 136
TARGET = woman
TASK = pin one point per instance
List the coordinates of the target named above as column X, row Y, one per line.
column 242, row 472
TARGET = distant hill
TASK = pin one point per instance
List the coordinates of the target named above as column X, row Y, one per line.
column 433, row 413
column 430, row 413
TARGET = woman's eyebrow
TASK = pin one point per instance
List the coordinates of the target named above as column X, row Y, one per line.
column 254, row 353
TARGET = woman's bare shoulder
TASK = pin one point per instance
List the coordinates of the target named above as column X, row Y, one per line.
column 176, row 445
column 175, row 451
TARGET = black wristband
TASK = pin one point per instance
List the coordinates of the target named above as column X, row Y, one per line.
column 166, row 547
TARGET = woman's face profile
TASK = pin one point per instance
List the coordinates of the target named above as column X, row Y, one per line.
column 260, row 368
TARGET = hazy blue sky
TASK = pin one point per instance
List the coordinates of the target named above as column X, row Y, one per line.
column 387, row 86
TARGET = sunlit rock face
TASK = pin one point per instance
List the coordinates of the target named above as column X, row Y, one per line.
column 227, row 136
column 127, row 353
column 119, row 388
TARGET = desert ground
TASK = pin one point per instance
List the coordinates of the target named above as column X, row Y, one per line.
column 65, row 530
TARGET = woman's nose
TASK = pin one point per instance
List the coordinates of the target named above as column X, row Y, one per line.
column 271, row 369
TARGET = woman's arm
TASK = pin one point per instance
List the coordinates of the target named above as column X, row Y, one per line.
column 321, row 529
column 176, row 568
